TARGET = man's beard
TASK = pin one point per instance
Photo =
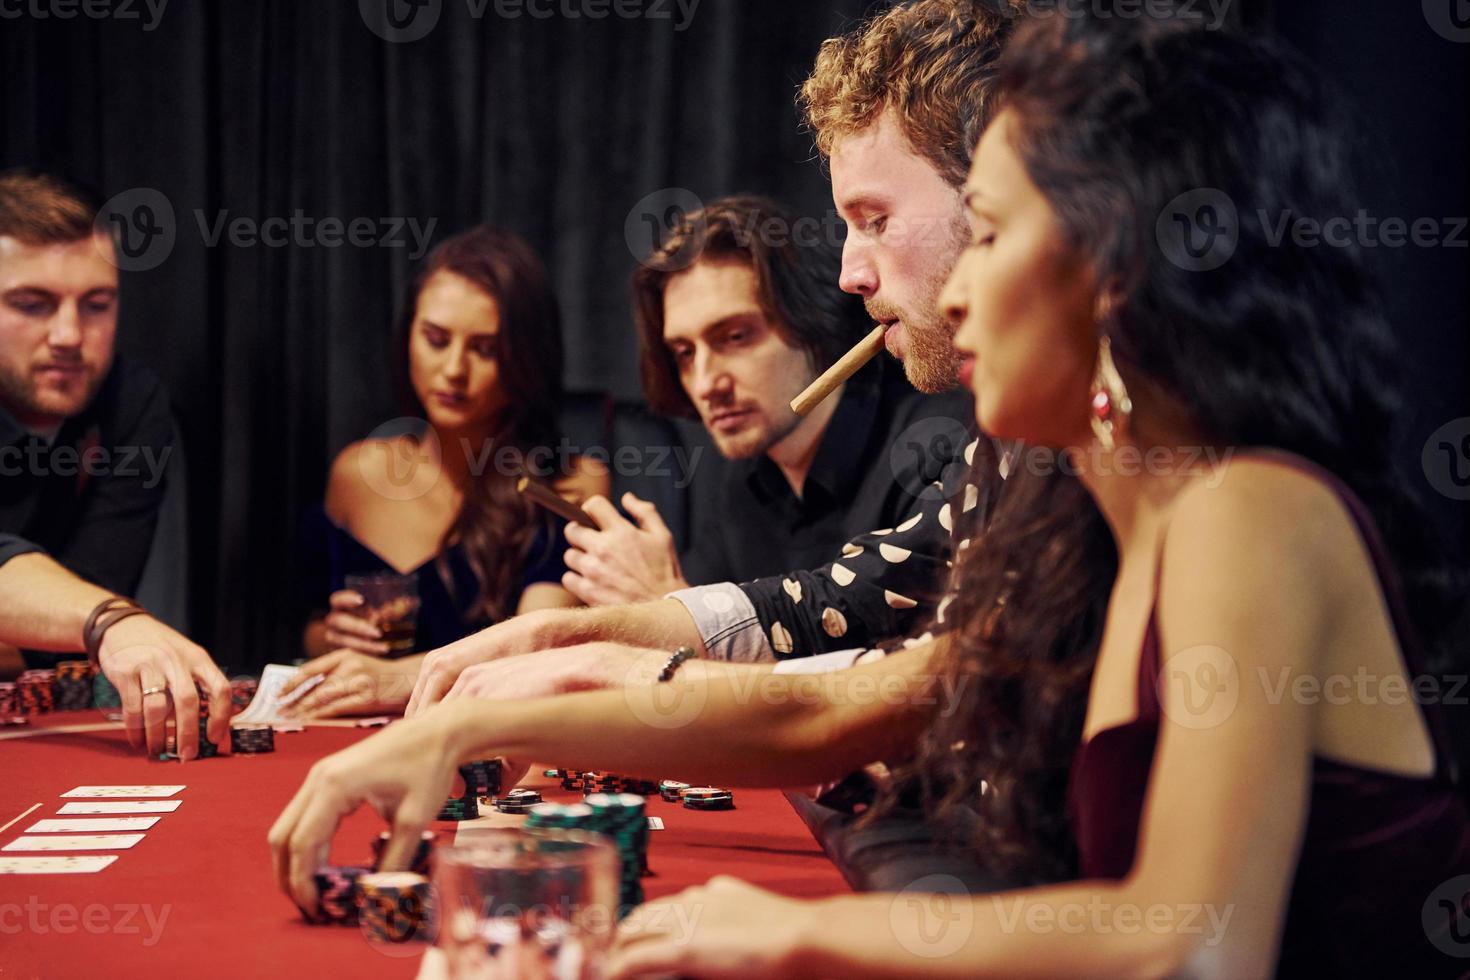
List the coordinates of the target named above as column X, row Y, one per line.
column 745, row 446
column 931, row 362
column 18, row 396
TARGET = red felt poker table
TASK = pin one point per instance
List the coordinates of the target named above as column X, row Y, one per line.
column 196, row 897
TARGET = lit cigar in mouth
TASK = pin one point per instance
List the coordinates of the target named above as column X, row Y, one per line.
column 849, row 364
column 553, row 503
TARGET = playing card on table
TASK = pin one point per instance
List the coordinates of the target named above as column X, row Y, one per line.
column 120, row 806
column 122, row 791
column 74, row 842
column 91, row 825
column 72, row 865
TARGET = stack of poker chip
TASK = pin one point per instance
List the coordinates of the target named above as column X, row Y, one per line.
column 7, row 699
column 250, row 739
column 395, row 907
column 34, row 692
column 621, row 818
column 707, row 798
column 518, row 801
column 104, row 695
column 589, row 782
column 73, row 685
column 418, row 864
column 481, row 778
column 207, row 749
column 242, row 692
column 669, row 789
column 337, row 891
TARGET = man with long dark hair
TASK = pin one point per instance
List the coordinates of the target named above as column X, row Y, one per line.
column 730, row 339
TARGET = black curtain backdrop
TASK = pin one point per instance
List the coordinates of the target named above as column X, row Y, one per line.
column 560, row 128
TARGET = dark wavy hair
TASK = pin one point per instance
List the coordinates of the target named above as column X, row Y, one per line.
column 496, row 525
column 1282, row 346
column 796, row 280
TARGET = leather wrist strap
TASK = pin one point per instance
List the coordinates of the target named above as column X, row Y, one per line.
column 680, row 655
column 105, row 615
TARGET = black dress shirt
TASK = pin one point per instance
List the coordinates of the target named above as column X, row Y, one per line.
column 90, row 498
column 866, row 474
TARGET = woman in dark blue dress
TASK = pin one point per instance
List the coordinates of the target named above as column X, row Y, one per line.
column 433, row 496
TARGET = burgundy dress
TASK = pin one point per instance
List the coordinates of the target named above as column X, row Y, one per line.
column 1370, row 897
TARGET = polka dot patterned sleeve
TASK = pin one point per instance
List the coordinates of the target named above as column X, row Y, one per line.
column 887, row 583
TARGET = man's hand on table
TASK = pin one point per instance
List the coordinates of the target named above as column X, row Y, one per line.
column 139, row 654
column 526, row 633
column 354, row 684
column 587, row 667
column 621, row 562
column 664, row 624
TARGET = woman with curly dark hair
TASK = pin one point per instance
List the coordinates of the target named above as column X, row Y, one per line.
column 1202, row 538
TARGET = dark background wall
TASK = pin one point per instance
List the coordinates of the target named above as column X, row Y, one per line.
column 560, row 128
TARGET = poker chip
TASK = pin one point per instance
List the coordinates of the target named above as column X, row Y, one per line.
column 252, row 739
column 207, row 749
column 459, row 808
column 242, row 692
column 512, row 804
column 35, row 693
column 73, row 685
column 707, row 798
column 7, row 698
column 418, row 864
column 104, row 695
column 395, row 907
column 618, row 816
column 337, row 889
column 669, row 789
column 481, row 778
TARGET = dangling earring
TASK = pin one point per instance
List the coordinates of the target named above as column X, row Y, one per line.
column 1111, row 405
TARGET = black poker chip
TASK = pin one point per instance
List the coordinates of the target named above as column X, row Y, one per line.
column 707, row 798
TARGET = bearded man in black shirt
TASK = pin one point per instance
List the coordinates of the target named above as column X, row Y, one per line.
column 84, row 445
